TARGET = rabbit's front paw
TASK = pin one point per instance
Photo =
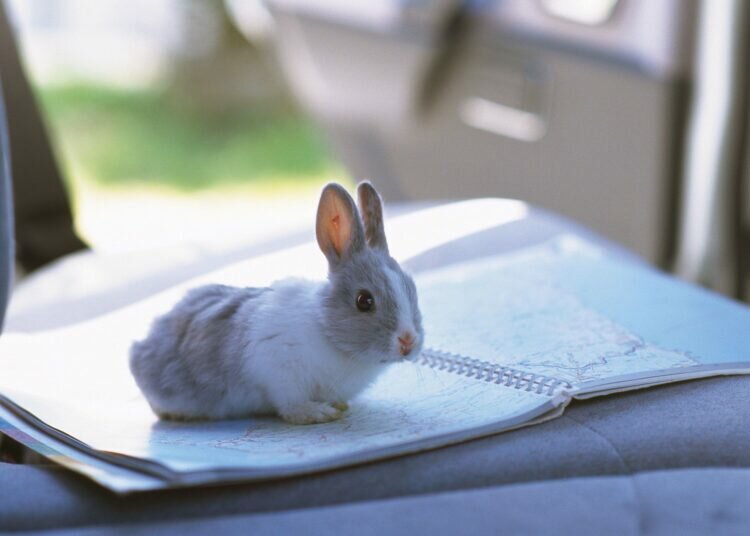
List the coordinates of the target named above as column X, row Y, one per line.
column 340, row 405
column 167, row 416
column 311, row 413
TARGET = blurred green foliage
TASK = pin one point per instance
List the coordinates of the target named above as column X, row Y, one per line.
column 119, row 137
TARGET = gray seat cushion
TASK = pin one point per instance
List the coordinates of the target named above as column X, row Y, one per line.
column 693, row 501
column 694, row 424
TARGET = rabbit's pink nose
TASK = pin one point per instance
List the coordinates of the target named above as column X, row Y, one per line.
column 406, row 341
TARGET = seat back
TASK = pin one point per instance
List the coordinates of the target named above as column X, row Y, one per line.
column 43, row 222
column 7, row 250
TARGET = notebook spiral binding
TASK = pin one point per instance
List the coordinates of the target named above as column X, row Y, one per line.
column 490, row 372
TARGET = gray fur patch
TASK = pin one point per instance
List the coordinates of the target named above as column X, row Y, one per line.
column 193, row 347
column 362, row 333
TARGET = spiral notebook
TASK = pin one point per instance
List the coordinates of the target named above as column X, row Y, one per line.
column 510, row 341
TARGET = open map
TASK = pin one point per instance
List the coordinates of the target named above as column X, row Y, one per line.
column 523, row 313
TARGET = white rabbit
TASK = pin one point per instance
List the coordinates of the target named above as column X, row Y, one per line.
column 298, row 348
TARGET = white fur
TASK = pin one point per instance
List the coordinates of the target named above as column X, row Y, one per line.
column 287, row 358
column 405, row 312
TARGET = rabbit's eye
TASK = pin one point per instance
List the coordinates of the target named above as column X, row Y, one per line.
column 365, row 301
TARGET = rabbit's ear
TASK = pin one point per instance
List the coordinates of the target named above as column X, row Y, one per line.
column 338, row 228
column 371, row 207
